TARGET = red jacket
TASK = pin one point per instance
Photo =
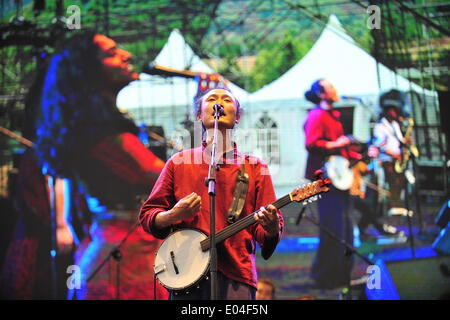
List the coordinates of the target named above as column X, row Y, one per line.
column 185, row 173
column 320, row 127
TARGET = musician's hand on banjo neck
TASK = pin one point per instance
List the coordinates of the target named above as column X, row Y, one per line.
column 184, row 209
column 269, row 220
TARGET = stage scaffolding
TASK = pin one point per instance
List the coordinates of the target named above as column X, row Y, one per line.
column 413, row 41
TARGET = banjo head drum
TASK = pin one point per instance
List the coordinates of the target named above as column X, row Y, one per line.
column 180, row 262
column 339, row 172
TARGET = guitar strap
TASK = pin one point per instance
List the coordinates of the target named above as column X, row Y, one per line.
column 394, row 131
column 240, row 193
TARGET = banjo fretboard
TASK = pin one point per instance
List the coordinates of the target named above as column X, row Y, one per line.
column 310, row 190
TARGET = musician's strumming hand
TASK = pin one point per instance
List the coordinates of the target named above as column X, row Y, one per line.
column 187, row 206
column 340, row 142
column 184, row 209
column 268, row 219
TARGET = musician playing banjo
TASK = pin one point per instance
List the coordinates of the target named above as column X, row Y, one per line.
column 180, row 200
column 324, row 137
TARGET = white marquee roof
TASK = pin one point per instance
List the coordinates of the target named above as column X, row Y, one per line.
column 336, row 57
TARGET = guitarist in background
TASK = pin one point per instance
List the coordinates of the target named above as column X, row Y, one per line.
column 180, row 200
column 324, row 135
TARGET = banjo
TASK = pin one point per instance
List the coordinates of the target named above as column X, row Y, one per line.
column 339, row 169
column 182, row 260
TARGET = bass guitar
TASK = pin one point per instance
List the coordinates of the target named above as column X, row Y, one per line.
column 182, row 260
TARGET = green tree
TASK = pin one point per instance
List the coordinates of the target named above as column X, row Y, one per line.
column 278, row 57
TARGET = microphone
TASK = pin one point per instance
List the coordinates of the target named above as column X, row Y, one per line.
column 351, row 98
column 158, row 70
column 218, row 110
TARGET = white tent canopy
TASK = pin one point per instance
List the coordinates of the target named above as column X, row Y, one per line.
column 336, row 57
column 156, row 91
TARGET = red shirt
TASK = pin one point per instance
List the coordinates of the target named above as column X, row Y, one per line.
column 322, row 126
column 185, row 173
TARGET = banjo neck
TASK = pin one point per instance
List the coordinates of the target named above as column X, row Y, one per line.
column 309, row 190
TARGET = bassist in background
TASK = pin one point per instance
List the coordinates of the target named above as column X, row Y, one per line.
column 180, row 200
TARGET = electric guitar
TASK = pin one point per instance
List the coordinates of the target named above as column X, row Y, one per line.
column 182, row 260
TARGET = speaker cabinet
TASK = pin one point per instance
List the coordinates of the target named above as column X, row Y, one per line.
column 443, row 217
column 417, row 279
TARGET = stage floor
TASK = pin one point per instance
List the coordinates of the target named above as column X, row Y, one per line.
column 289, row 267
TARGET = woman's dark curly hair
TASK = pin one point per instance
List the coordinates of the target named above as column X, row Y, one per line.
column 71, row 113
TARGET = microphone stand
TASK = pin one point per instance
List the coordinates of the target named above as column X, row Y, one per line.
column 54, row 248
column 350, row 250
column 408, row 215
column 211, row 182
column 116, row 255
